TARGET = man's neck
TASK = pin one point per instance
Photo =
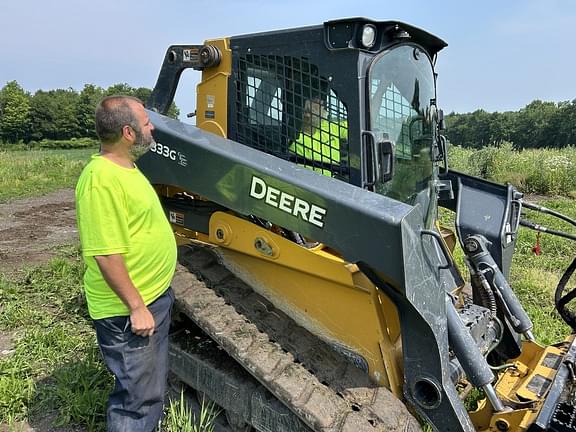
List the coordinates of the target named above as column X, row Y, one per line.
column 117, row 154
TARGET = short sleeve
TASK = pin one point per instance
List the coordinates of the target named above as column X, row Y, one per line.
column 102, row 221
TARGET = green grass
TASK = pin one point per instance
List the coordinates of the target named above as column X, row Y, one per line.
column 55, row 361
column 55, row 367
column 36, row 172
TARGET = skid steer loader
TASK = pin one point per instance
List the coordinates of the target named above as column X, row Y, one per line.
column 316, row 290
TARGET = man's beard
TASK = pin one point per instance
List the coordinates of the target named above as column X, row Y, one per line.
column 141, row 145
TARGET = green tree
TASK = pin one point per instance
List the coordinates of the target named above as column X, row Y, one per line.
column 142, row 93
column 85, row 108
column 471, row 129
column 54, row 115
column 534, row 125
column 563, row 125
column 14, row 113
column 539, row 124
column 120, row 89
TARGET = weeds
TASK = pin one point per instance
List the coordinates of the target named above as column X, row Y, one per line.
column 78, row 391
column 181, row 418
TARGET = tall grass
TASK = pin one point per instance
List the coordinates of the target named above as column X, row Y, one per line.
column 36, row 172
column 72, row 143
column 532, row 171
column 542, row 171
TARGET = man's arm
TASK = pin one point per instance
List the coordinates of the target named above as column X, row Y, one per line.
column 116, row 275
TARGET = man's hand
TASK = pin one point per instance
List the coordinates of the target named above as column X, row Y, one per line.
column 142, row 321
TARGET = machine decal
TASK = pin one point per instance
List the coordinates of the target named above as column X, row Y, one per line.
column 176, row 217
column 189, row 54
column 167, row 152
column 287, row 203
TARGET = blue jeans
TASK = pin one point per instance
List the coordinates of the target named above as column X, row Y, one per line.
column 140, row 368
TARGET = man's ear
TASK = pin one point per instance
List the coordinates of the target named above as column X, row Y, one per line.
column 128, row 133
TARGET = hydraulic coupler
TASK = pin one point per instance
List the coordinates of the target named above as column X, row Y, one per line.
column 483, row 266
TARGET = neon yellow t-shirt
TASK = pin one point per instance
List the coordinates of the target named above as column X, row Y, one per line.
column 323, row 145
column 118, row 212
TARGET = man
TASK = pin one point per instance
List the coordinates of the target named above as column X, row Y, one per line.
column 319, row 138
column 130, row 255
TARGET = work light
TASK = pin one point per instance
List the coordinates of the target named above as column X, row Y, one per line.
column 368, row 35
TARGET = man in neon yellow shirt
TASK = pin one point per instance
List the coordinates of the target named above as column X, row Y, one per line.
column 319, row 138
column 130, row 255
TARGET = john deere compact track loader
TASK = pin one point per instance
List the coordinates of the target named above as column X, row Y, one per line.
column 316, row 289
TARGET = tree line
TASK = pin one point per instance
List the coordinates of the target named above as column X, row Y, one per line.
column 60, row 114
column 63, row 114
column 538, row 125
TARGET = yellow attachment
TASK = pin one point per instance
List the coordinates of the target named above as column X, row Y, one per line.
column 523, row 386
column 212, row 92
column 318, row 289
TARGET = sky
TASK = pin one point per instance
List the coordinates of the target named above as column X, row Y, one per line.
column 501, row 54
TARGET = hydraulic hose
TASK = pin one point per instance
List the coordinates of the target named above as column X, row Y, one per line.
column 483, row 264
column 546, row 210
column 540, row 228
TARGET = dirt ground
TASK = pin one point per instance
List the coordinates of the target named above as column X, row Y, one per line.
column 31, row 229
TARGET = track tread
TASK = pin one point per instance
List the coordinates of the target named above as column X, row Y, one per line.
column 284, row 357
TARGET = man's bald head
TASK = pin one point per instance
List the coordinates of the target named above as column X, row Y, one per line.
column 112, row 114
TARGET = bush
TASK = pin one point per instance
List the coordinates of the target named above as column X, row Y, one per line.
column 73, row 143
column 68, row 144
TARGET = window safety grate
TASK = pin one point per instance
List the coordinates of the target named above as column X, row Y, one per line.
column 284, row 107
column 391, row 117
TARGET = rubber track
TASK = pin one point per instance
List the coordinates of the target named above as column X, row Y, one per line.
column 327, row 392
